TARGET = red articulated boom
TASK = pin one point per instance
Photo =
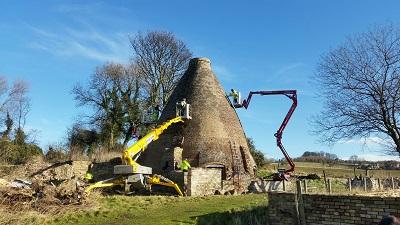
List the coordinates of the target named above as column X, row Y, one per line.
column 292, row 94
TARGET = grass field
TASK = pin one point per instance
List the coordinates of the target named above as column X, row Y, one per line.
column 156, row 210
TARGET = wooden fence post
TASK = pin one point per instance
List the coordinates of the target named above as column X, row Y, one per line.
column 365, row 184
column 284, row 185
column 392, row 182
column 349, row 180
column 379, row 184
column 305, row 185
column 329, row 186
column 302, row 214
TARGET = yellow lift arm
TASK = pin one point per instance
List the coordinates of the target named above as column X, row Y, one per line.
column 131, row 167
column 140, row 146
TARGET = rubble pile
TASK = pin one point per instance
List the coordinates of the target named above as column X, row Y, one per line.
column 39, row 186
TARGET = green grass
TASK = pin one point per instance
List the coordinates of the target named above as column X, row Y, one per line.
column 243, row 209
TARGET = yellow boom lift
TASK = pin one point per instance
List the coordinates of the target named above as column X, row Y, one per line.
column 130, row 173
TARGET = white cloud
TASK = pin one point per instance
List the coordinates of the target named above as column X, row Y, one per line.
column 368, row 141
column 44, row 121
column 82, row 34
column 222, row 73
column 374, row 157
column 77, row 8
column 68, row 42
column 288, row 68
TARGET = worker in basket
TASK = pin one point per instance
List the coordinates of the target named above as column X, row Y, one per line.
column 235, row 96
column 156, row 112
column 181, row 107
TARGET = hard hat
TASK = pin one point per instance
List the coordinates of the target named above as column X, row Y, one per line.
column 88, row 176
column 185, row 158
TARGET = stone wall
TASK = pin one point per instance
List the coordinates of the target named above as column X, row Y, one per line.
column 282, row 208
column 203, row 181
column 66, row 170
column 263, row 186
column 331, row 209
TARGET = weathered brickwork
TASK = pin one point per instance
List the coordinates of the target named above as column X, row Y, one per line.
column 207, row 137
column 331, row 209
column 172, row 159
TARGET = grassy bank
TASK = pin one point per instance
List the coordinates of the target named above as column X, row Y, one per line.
column 230, row 210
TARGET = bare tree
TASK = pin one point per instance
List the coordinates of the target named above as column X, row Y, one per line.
column 14, row 107
column 14, row 103
column 113, row 93
column 162, row 59
column 19, row 89
column 360, row 85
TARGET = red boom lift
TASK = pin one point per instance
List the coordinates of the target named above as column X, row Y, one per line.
column 292, row 94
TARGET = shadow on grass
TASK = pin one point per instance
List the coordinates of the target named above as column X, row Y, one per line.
column 254, row 216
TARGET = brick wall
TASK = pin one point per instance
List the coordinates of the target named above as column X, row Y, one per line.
column 331, row 209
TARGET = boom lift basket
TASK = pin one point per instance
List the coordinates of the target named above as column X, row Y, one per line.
column 238, row 104
column 182, row 111
column 148, row 117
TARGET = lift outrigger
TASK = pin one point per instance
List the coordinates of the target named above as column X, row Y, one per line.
column 291, row 94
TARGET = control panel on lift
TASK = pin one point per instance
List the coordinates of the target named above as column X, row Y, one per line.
column 151, row 115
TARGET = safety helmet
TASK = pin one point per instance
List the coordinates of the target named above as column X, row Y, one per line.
column 88, row 176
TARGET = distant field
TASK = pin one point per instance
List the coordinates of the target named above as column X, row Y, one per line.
column 337, row 174
column 335, row 171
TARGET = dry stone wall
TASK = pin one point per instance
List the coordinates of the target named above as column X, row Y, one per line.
column 203, row 181
column 263, row 186
column 331, row 209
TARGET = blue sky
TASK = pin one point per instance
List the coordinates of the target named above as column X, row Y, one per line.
column 253, row 46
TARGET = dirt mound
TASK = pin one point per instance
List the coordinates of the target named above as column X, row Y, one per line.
column 40, row 195
column 40, row 186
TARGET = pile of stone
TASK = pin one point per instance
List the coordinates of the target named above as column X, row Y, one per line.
column 39, row 185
